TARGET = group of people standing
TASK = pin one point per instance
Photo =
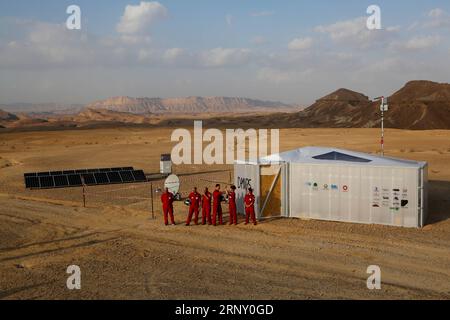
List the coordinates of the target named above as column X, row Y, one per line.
column 211, row 205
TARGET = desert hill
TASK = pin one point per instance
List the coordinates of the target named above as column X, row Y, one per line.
column 102, row 115
column 337, row 108
column 424, row 91
column 190, row 105
column 6, row 116
column 419, row 105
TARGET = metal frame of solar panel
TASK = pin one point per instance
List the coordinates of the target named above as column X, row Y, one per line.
column 76, row 178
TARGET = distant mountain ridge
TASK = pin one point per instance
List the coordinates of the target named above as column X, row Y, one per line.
column 184, row 105
column 42, row 108
column 419, row 105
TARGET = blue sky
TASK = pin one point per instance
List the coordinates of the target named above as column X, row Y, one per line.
column 293, row 51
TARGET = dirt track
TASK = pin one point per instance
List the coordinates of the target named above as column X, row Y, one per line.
column 123, row 254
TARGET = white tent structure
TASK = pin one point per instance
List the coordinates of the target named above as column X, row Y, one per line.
column 337, row 185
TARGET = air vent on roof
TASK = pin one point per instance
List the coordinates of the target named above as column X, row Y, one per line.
column 338, row 156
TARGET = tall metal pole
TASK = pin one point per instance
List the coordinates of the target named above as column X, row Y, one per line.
column 382, row 128
column 151, row 190
column 383, row 108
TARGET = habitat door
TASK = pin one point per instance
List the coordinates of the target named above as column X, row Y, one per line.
column 271, row 200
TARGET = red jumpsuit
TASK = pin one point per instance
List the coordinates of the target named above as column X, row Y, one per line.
column 217, row 208
column 194, row 207
column 249, row 201
column 167, row 203
column 232, row 207
column 206, row 208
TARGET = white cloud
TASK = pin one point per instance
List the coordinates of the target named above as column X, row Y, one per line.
column 262, row 14
column 137, row 18
column 343, row 30
column 418, row 43
column 172, row 54
column 301, row 44
column 179, row 57
column 355, row 32
column 135, row 39
column 258, row 40
column 43, row 44
column 220, row 57
column 147, row 55
column 438, row 18
column 436, row 13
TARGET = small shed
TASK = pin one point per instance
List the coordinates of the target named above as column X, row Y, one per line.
column 338, row 185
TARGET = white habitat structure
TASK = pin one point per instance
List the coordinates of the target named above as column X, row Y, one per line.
column 337, row 185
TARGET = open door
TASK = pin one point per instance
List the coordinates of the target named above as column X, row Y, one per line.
column 271, row 200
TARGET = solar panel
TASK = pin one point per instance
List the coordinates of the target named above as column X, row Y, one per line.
column 30, row 175
column 101, row 177
column 114, row 177
column 139, row 175
column 32, row 182
column 76, row 178
column 89, row 179
column 127, row 176
column 46, row 182
column 61, row 181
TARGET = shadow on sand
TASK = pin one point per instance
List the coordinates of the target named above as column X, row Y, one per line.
column 438, row 201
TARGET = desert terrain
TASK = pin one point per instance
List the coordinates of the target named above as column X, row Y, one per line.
column 125, row 254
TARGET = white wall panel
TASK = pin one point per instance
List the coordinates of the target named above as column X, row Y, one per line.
column 245, row 175
column 352, row 193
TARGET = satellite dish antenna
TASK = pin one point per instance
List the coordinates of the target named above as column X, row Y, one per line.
column 172, row 183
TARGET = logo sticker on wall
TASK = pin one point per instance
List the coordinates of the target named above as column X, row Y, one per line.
column 395, row 199
column 404, row 200
column 334, row 187
column 376, row 197
column 345, row 188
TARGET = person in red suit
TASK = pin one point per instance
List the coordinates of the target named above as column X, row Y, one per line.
column 167, row 204
column 194, row 206
column 217, row 207
column 249, row 202
column 206, row 207
column 232, row 205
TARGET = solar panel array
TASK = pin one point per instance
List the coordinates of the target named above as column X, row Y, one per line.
column 76, row 178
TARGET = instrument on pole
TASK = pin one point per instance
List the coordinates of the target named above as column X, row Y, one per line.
column 384, row 107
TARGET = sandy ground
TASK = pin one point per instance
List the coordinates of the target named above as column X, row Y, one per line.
column 124, row 254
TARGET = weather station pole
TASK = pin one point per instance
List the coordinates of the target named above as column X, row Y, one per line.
column 84, row 191
column 151, row 192
column 383, row 108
